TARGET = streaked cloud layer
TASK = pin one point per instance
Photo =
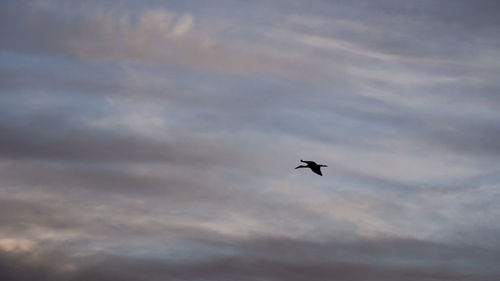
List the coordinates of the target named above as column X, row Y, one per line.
column 156, row 140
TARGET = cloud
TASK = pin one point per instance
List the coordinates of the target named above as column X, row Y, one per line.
column 154, row 142
column 264, row 259
column 183, row 26
column 152, row 36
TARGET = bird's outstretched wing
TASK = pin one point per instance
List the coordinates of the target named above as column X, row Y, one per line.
column 317, row 170
column 309, row 162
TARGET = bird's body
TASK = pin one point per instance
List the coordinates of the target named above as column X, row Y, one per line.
column 313, row 166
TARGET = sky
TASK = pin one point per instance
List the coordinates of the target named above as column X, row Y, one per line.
column 157, row 140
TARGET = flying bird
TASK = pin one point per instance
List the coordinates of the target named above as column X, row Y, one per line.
column 313, row 166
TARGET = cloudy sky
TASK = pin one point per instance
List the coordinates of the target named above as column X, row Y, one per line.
column 156, row 140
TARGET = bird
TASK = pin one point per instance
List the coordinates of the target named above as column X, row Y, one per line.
column 313, row 166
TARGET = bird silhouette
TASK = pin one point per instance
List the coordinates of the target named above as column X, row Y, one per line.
column 313, row 166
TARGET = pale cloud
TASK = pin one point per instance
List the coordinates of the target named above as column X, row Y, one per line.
column 154, row 22
column 147, row 122
column 16, row 245
column 183, row 25
column 343, row 45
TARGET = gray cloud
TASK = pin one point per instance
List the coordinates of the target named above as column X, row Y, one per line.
column 151, row 36
column 275, row 260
